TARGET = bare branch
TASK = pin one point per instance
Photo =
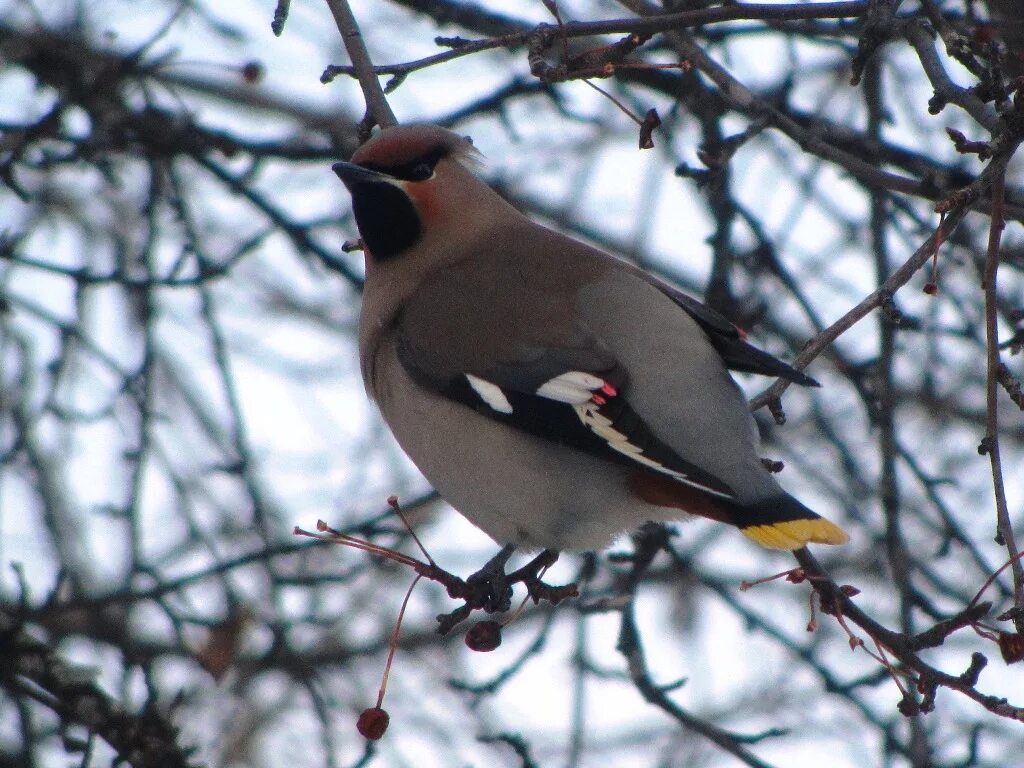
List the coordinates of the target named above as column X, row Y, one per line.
column 378, row 111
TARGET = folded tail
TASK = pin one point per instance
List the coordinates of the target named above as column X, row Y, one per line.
column 779, row 522
column 783, row 522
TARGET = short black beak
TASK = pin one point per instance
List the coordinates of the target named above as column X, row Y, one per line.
column 352, row 175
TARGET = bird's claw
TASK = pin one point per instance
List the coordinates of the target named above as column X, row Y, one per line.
column 490, row 588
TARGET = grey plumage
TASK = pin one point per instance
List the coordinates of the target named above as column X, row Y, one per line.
column 549, row 391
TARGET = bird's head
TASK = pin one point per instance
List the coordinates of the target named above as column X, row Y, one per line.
column 409, row 180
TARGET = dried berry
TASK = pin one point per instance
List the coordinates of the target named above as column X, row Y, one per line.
column 651, row 121
column 484, row 636
column 372, row 723
column 1011, row 645
column 252, row 72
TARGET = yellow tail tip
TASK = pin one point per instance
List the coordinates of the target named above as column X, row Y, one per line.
column 793, row 534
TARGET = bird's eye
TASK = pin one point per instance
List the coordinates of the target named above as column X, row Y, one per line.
column 421, row 172
column 419, row 168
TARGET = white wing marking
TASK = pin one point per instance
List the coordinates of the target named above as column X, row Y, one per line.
column 602, row 427
column 574, row 387
column 490, row 394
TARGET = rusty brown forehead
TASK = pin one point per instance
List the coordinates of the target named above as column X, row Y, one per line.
column 402, row 144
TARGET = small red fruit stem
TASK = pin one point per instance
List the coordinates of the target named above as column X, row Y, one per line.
column 393, row 503
column 993, row 577
column 326, row 533
column 393, row 643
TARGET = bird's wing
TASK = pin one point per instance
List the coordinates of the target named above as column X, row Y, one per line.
column 728, row 341
column 512, row 349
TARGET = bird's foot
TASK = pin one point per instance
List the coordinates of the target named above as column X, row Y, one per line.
column 490, row 588
column 529, row 575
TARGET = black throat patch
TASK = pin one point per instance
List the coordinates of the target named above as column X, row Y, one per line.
column 387, row 219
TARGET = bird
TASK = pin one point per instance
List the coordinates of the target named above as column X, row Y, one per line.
column 554, row 394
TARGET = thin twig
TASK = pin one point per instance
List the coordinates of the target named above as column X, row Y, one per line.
column 648, row 541
column 991, row 443
column 961, row 203
column 835, row 602
column 377, row 108
column 922, row 40
column 644, row 25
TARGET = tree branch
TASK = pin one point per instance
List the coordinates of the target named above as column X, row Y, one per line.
column 378, row 111
column 143, row 740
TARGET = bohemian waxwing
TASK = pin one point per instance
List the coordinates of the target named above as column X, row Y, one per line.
column 553, row 394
